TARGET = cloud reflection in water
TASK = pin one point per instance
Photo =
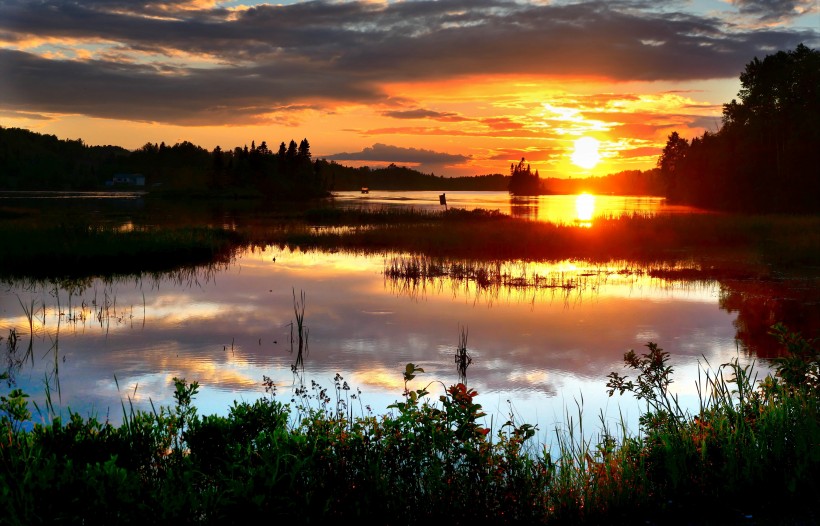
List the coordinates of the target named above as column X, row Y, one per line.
column 537, row 346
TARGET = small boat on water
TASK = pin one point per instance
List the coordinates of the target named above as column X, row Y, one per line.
column 365, row 190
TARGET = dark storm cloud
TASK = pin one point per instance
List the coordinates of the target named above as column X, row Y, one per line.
column 396, row 154
column 146, row 93
column 271, row 56
column 775, row 10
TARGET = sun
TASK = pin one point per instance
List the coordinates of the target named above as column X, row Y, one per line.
column 586, row 152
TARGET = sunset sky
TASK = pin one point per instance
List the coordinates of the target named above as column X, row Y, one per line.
column 460, row 87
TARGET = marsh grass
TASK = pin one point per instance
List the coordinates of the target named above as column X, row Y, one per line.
column 75, row 250
column 387, row 216
column 749, row 453
column 722, row 245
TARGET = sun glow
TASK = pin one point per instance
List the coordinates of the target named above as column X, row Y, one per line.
column 586, row 152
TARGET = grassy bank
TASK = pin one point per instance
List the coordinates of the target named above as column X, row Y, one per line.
column 751, row 455
column 80, row 250
column 719, row 246
column 754, row 242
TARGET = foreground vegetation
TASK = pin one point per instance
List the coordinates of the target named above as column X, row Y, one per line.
column 751, row 454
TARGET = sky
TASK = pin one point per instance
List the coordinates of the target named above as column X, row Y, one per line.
column 452, row 87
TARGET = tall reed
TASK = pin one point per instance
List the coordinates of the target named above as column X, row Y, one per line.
column 302, row 331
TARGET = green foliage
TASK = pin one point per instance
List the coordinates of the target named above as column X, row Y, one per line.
column 14, row 410
column 752, row 443
column 799, row 367
column 751, row 449
column 653, row 380
column 764, row 158
column 423, row 462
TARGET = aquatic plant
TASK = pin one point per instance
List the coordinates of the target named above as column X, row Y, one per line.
column 462, row 358
column 302, row 331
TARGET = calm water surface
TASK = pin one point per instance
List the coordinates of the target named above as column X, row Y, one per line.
column 551, row 208
column 536, row 351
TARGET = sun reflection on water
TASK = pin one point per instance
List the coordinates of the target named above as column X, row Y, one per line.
column 558, row 208
column 585, row 209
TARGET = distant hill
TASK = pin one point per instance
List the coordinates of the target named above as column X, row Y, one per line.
column 392, row 177
column 630, row 182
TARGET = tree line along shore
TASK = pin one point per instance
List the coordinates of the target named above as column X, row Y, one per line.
column 763, row 159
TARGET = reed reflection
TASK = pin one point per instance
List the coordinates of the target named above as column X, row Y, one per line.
column 524, row 207
column 581, row 209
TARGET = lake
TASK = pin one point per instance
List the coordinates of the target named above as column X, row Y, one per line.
column 551, row 208
column 541, row 345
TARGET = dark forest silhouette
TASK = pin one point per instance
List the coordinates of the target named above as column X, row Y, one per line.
column 766, row 156
column 33, row 161
column 287, row 173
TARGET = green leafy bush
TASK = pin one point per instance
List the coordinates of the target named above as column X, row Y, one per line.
column 751, row 449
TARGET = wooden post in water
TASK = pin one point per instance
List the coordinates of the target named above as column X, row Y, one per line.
column 443, row 200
